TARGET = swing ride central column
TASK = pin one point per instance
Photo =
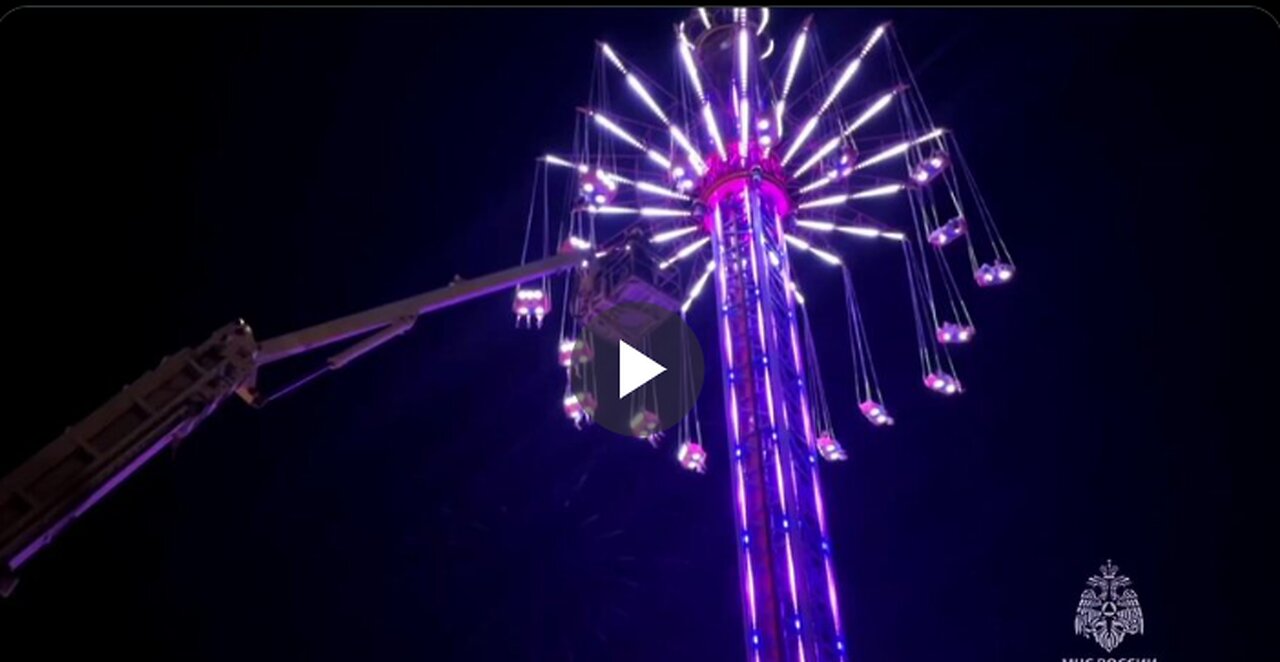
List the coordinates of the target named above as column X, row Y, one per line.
column 789, row 600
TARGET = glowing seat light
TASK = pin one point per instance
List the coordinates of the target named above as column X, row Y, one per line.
column 531, row 303
column 830, row 449
column 691, row 456
column 951, row 333
column 579, row 407
column 573, row 407
column 876, row 413
column 644, row 425
column 574, row 244
column 848, row 158
column 941, row 382
column 996, row 273
column 926, row 170
column 948, row 232
column 764, row 129
column 597, row 187
column 574, row 352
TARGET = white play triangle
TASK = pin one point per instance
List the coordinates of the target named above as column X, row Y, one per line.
column 635, row 369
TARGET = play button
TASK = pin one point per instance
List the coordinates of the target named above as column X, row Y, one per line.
column 645, row 372
column 634, row 369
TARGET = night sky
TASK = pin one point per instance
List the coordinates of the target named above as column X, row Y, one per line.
column 169, row 171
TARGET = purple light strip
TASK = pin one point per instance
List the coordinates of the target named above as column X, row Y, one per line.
column 722, row 267
column 773, row 423
column 625, row 136
column 751, row 602
column 897, row 149
column 621, row 133
column 659, row 212
column 808, row 432
column 822, row 528
column 817, row 498
column 684, row 252
column 690, row 68
column 823, row 181
column 791, row 575
column 698, row 285
column 845, row 76
column 709, row 117
column 797, row 51
column 613, row 57
column 777, row 469
column 875, row 37
column 786, row 535
column 768, row 390
column 742, row 490
column 755, row 272
column 830, row 146
column 790, row 288
column 800, row 138
column 739, row 476
column 641, row 91
column 664, row 237
column 742, row 510
column 695, row 159
column 794, row 492
column 831, row 594
column 648, row 187
column 728, row 350
column 795, row 343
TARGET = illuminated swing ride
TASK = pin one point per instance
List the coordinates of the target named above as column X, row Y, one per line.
column 732, row 174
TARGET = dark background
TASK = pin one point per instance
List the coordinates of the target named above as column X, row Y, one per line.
column 168, row 171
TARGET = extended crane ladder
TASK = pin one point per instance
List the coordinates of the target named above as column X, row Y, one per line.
column 47, row 492
column 67, row 477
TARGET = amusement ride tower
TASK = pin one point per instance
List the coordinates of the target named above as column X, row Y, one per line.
column 730, row 168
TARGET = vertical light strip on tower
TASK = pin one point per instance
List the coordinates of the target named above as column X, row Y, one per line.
column 722, row 261
column 744, row 82
column 820, row 507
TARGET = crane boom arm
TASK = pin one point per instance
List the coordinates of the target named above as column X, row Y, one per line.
column 340, row 329
column 42, row 496
column 91, row 458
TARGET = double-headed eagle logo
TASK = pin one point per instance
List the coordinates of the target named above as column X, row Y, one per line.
column 1108, row 609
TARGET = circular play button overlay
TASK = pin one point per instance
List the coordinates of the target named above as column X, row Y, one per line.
column 646, row 369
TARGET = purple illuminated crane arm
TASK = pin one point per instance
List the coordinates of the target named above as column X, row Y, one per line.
column 42, row 496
